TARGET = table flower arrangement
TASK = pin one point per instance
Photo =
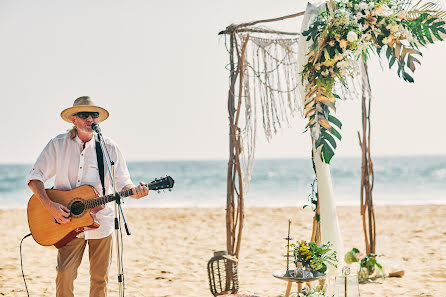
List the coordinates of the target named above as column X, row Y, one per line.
column 368, row 263
column 349, row 30
column 313, row 257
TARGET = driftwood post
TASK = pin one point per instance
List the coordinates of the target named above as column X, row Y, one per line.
column 234, row 211
column 237, row 67
column 367, row 177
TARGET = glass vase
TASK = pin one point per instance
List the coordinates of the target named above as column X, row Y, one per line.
column 303, row 272
column 363, row 275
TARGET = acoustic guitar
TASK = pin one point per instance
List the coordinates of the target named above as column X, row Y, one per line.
column 83, row 203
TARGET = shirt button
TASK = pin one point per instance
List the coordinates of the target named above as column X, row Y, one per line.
column 80, row 167
column 78, row 181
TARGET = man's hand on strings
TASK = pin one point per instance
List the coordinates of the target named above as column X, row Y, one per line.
column 59, row 212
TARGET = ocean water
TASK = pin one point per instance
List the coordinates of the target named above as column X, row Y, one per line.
column 274, row 183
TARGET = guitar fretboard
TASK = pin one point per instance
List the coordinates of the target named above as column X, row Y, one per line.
column 158, row 184
column 92, row 203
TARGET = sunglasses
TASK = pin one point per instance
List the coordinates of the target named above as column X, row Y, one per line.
column 85, row 114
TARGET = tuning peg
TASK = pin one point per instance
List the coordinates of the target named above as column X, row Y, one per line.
column 159, row 191
column 170, row 190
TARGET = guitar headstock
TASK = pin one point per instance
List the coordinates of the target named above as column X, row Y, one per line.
column 161, row 184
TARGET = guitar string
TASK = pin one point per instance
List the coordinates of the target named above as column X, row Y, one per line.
column 91, row 203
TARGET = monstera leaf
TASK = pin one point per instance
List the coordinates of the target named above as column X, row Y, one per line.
column 327, row 140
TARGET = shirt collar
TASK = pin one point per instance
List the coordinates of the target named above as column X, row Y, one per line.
column 88, row 143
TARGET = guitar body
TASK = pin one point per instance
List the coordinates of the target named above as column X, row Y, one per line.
column 44, row 228
column 83, row 203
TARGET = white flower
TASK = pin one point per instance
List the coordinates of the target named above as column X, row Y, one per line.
column 340, row 12
column 325, row 72
column 362, row 27
column 386, row 11
column 362, row 47
column 343, row 64
column 363, row 5
column 371, row 5
column 359, row 15
column 356, row 7
column 352, row 36
column 317, row 66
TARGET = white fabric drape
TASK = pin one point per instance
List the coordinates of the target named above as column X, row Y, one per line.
column 330, row 231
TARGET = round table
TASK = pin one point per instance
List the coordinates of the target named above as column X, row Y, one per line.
column 291, row 279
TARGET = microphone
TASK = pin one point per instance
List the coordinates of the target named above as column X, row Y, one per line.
column 95, row 127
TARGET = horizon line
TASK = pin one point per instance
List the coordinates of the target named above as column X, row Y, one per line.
column 130, row 160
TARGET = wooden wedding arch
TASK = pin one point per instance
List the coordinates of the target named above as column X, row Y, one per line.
column 263, row 71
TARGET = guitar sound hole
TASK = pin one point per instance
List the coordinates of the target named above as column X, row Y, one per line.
column 77, row 208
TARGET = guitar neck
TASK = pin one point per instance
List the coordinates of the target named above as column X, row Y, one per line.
column 158, row 184
column 92, row 203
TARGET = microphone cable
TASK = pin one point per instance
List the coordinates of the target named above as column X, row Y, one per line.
column 21, row 262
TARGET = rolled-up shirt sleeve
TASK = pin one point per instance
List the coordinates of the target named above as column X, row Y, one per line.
column 45, row 166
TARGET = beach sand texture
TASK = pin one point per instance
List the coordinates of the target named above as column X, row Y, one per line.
column 167, row 253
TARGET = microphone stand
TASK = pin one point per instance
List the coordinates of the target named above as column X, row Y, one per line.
column 118, row 215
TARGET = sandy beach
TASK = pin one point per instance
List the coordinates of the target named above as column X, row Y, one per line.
column 167, row 253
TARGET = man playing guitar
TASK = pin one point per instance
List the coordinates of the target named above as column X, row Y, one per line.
column 71, row 158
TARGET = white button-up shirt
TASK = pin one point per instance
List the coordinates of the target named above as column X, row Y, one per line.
column 74, row 166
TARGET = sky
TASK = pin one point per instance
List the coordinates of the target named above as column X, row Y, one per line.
column 158, row 67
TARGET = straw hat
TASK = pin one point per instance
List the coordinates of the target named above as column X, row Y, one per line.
column 84, row 104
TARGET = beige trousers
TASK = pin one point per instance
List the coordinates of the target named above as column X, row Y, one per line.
column 69, row 258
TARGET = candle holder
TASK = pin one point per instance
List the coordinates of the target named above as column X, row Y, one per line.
column 287, row 255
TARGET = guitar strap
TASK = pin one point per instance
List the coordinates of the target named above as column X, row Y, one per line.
column 100, row 157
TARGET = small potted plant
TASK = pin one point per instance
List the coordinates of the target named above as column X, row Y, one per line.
column 311, row 260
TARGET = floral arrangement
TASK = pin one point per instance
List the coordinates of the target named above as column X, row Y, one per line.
column 349, row 30
column 313, row 256
column 367, row 262
column 312, row 293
